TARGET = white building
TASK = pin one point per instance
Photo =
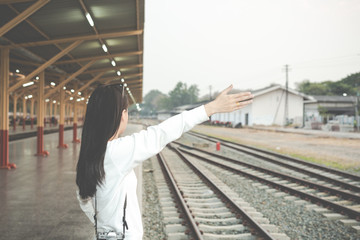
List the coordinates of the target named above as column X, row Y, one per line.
column 267, row 108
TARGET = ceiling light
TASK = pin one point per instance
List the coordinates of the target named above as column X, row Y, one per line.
column 52, row 84
column 30, row 96
column 72, row 90
column 104, row 48
column 79, row 93
column 28, row 84
column 37, row 78
column 78, row 100
column 26, row 97
column 71, row 98
column 122, row 80
column 88, row 17
column 47, row 100
column 17, row 70
column 64, row 88
column 54, row 101
column 125, row 85
column 113, row 63
column 118, row 73
column 127, row 88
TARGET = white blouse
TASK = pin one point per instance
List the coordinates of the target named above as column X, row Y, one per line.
column 121, row 157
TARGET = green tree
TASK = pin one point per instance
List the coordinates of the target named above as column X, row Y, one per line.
column 312, row 88
column 182, row 95
column 349, row 85
column 152, row 99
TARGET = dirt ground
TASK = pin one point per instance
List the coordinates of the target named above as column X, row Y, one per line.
column 340, row 153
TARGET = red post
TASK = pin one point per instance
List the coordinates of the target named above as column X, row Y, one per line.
column 40, row 117
column 218, row 146
column 75, row 139
column 24, row 112
column 4, row 110
column 61, row 120
column 61, row 137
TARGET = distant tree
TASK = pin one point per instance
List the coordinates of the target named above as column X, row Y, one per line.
column 312, row 88
column 349, row 85
column 152, row 99
column 182, row 95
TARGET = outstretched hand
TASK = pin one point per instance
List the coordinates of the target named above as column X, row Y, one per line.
column 225, row 102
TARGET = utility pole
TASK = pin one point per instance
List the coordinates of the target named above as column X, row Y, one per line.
column 357, row 107
column 286, row 113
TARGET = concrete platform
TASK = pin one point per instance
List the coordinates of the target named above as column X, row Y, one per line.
column 37, row 200
column 21, row 133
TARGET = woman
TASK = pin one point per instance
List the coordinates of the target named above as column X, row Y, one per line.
column 105, row 175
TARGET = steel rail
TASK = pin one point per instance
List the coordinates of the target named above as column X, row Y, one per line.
column 329, row 179
column 336, row 207
column 318, row 166
column 193, row 226
column 348, row 195
column 248, row 220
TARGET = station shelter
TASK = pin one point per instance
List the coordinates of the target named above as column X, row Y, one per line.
column 54, row 53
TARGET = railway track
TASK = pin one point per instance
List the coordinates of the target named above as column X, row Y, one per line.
column 310, row 171
column 206, row 206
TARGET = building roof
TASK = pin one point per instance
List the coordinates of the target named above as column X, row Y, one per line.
column 272, row 88
column 334, row 99
column 38, row 31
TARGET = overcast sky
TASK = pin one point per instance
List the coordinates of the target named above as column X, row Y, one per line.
column 247, row 43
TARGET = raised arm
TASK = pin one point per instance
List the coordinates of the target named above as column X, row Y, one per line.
column 148, row 143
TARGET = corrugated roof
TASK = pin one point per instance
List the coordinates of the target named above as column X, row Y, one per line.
column 335, row 99
column 57, row 24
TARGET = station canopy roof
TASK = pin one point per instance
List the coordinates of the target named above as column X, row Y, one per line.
column 79, row 43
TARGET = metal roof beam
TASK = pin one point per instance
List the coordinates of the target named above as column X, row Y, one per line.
column 45, row 65
column 14, row 1
column 22, row 16
column 71, row 39
column 123, row 54
column 113, row 68
column 89, row 83
column 74, row 75
column 109, row 79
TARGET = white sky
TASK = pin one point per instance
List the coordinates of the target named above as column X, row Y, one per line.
column 247, row 42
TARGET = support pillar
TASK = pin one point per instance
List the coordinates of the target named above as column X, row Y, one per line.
column 40, row 117
column 4, row 110
column 51, row 111
column 24, row 112
column 32, row 101
column 75, row 110
column 67, row 114
column 62, row 120
column 15, row 98
column 55, row 112
column 45, row 109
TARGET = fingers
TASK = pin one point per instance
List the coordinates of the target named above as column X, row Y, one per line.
column 243, row 104
column 226, row 90
column 242, row 96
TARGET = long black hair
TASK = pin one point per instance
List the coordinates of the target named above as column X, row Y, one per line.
column 102, row 120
